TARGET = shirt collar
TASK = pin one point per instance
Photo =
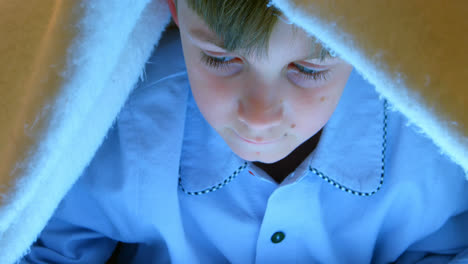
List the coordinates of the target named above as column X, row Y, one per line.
column 349, row 152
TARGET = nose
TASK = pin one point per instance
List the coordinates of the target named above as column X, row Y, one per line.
column 260, row 112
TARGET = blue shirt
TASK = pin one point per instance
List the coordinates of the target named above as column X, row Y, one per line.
column 167, row 185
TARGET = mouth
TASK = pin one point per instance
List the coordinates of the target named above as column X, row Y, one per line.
column 256, row 142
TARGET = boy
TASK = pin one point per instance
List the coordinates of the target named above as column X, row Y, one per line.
column 241, row 165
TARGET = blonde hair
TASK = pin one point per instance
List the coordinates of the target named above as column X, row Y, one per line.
column 244, row 25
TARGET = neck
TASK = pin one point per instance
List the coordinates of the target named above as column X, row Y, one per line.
column 281, row 169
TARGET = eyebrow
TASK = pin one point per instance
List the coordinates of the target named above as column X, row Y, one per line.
column 206, row 37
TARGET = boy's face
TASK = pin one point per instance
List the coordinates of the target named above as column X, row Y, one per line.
column 265, row 107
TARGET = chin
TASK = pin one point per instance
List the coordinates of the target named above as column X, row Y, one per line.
column 263, row 157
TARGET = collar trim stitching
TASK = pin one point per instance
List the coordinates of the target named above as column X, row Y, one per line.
column 216, row 187
column 314, row 170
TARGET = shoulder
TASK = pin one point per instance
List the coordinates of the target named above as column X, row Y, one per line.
column 143, row 141
column 415, row 164
column 151, row 119
column 163, row 87
column 159, row 97
column 412, row 148
column 166, row 65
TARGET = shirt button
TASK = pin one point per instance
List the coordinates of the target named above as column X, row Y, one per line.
column 277, row 237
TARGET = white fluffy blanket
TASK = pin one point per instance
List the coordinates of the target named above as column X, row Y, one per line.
column 67, row 68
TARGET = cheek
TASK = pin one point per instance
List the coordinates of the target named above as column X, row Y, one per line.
column 214, row 98
column 313, row 108
column 310, row 115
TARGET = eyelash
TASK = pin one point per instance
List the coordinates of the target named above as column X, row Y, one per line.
column 214, row 62
column 314, row 75
column 220, row 64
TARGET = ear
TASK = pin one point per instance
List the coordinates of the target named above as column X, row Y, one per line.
column 173, row 9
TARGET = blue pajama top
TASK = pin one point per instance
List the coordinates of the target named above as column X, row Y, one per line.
column 167, row 186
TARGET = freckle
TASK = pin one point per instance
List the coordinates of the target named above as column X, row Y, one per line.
column 293, row 125
column 285, row 134
column 322, row 99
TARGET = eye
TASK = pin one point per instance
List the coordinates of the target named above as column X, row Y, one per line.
column 309, row 74
column 219, row 63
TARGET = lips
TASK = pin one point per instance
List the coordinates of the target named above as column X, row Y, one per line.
column 254, row 141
